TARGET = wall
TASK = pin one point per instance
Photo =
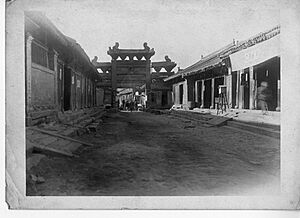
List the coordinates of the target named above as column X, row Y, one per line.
column 99, row 97
column 43, row 88
column 176, row 93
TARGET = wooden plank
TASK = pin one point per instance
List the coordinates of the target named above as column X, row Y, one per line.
column 61, row 136
column 218, row 120
column 46, row 149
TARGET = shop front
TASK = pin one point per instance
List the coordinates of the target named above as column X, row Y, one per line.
column 250, row 68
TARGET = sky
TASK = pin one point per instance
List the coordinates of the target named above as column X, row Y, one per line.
column 183, row 30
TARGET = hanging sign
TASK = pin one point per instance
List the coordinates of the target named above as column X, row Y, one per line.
column 255, row 54
column 78, row 83
column 72, row 79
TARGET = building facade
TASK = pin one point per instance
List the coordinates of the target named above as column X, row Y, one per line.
column 239, row 68
column 59, row 74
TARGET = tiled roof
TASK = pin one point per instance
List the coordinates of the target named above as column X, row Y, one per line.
column 254, row 40
column 205, row 63
column 66, row 41
column 216, row 58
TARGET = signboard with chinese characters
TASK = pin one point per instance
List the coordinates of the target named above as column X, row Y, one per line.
column 256, row 54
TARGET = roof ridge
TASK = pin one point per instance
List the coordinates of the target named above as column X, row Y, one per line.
column 209, row 57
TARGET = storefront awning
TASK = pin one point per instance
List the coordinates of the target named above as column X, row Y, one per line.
column 255, row 54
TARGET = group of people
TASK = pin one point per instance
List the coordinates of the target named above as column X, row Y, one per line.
column 129, row 105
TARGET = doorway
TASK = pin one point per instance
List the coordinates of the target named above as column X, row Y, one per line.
column 269, row 72
column 246, row 86
column 199, row 91
column 164, row 98
column 233, row 86
column 67, row 89
column 207, row 93
column 181, row 94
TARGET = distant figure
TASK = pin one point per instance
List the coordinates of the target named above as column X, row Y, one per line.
column 146, row 47
column 136, row 105
column 131, row 105
column 263, row 96
column 127, row 106
column 167, row 58
column 123, row 104
column 118, row 103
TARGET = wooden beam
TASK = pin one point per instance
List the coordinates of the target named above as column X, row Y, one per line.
column 60, row 136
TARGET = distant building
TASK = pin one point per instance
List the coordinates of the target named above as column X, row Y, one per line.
column 239, row 67
column 59, row 75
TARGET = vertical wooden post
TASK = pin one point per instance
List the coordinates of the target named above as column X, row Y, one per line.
column 148, row 82
column 56, row 97
column 229, row 87
column 212, row 93
column 241, row 92
column 202, row 94
column 196, row 93
column 252, row 88
column 278, row 95
column 113, row 82
column 173, row 95
column 237, row 96
column 28, row 78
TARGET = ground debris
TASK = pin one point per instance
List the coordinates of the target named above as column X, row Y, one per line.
column 255, row 162
column 157, row 156
column 189, row 127
column 37, row 179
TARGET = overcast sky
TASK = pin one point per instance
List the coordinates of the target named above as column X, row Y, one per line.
column 184, row 30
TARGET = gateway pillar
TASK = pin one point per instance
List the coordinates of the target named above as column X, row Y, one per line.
column 113, row 83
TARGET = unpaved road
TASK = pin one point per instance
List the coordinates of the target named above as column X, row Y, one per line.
column 145, row 154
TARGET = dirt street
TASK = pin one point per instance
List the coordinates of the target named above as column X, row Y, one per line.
column 141, row 153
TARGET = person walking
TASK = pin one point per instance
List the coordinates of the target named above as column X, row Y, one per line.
column 263, row 96
column 131, row 105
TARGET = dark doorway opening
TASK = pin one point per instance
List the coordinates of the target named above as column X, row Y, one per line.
column 207, row 93
column 269, row 72
column 181, row 94
column 67, row 89
column 164, row 98
column 218, row 82
column 199, row 91
column 234, row 79
column 246, row 84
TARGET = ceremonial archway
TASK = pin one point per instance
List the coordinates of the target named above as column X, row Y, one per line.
column 131, row 68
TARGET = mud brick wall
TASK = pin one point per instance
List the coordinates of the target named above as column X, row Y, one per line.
column 43, row 88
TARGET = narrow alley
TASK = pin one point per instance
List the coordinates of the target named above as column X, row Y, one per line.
column 139, row 153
